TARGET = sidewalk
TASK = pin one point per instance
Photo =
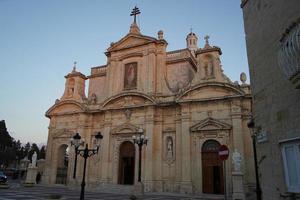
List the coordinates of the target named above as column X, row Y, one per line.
column 39, row 192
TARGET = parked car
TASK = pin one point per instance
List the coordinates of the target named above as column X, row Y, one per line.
column 3, row 177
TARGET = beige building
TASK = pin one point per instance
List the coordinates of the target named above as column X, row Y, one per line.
column 181, row 100
column 273, row 46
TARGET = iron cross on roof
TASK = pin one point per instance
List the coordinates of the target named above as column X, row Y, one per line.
column 135, row 11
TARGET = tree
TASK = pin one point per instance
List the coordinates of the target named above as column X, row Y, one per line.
column 27, row 149
column 7, row 153
column 42, row 154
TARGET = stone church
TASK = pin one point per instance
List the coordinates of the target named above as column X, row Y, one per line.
column 181, row 100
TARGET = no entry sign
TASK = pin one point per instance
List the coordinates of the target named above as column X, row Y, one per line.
column 223, row 152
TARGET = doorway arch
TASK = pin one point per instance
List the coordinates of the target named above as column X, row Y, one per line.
column 126, row 163
column 212, row 168
column 62, row 164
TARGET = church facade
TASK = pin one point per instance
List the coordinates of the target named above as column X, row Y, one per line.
column 181, row 100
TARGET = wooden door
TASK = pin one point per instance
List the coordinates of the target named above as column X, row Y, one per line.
column 126, row 163
column 212, row 168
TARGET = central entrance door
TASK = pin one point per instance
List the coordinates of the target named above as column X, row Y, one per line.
column 212, row 168
column 126, row 163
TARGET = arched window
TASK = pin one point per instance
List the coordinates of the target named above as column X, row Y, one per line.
column 71, row 85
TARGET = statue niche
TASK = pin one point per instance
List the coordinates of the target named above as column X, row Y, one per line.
column 169, row 149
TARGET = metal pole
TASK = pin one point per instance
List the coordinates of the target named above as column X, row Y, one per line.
column 225, row 188
column 258, row 189
column 140, row 162
column 85, row 155
column 75, row 164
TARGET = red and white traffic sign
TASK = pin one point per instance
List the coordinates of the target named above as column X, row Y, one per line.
column 223, row 152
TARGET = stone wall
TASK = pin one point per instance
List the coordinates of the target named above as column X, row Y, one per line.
column 276, row 103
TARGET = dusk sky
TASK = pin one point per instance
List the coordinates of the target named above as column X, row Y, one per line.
column 40, row 40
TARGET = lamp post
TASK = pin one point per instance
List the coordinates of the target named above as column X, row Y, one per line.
column 85, row 153
column 76, row 142
column 251, row 126
column 140, row 140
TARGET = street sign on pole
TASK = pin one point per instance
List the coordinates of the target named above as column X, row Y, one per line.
column 223, row 155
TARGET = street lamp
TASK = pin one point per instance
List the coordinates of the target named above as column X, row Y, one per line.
column 251, row 126
column 85, row 153
column 76, row 142
column 140, row 140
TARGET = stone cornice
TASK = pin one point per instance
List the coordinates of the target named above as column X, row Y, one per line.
column 188, row 59
column 206, row 50
column 243, row 3
column 210, row 124
column 238, row 91
column 131, row 55
column 97, row 75
column 76, row 74
column 82, row 107
column 149, row 40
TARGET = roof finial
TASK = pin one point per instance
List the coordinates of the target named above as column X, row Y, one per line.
column 135, row 11
column 206, row 41
column 191, row 29
column 74, row 66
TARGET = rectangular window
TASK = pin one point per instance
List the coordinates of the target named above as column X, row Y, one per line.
column 291, row 163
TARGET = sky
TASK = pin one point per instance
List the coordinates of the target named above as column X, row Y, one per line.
column 40, row 40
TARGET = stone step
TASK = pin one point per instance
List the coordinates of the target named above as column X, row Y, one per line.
column 116, row 189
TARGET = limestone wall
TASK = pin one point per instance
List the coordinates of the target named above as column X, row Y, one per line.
column 276, row 105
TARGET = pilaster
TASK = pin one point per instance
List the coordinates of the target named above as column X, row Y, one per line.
column 237, row 129
column 148, row 167
column 186, row 182
column 105, row 149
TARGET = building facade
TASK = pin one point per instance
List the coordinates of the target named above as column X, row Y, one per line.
column 273, row 46
column 181, row 100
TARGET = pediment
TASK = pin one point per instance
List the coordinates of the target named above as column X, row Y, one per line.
column 125, row 129
column 127, row 100
column 65, row 107
column 206, row 91
column 210, row 124
column 131, row 40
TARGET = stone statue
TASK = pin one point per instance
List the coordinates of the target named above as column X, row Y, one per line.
column 93, row 98
column 169, row 148
column 236, row 160
column 33, row 161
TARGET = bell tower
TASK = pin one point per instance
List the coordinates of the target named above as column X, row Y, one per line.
column 192, row 42
column 75, row 86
